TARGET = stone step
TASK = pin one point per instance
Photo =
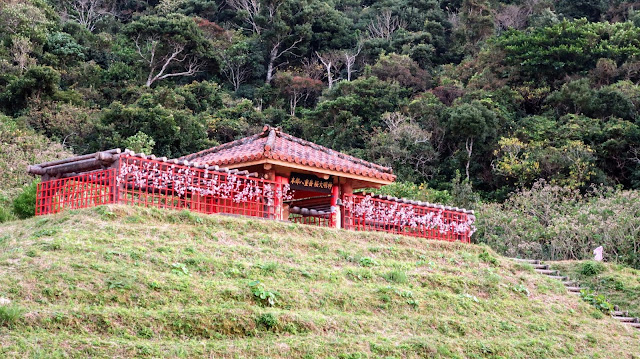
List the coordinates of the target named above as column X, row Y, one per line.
column 531, row 261
column 571, row 283
column 635, row 325
column 558, row 277
column 547, row 271
column 627, row 319
column 619, row 313
column 574, row 289
column 541, row 266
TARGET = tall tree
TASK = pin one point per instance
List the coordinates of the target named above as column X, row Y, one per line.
column 171, row 46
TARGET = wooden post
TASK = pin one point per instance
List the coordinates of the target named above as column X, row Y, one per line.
column 285, row 206
column 279, row 198
column 335, row 210
column 347, row 189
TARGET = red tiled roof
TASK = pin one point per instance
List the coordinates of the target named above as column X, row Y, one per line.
column 274, row 144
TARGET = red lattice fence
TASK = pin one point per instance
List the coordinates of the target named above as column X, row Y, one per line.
column 82, row 191
column 156, row 183
column 365, row 213
column 162, row 184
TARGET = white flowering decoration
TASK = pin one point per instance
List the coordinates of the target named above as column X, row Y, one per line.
column 379, row 212
column 184, row 180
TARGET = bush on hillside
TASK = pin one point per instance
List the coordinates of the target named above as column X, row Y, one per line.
column 20, row 146
column 24, row 206
column 555, row 223
column 591, row 268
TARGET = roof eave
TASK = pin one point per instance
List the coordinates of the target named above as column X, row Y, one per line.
column 293, row 165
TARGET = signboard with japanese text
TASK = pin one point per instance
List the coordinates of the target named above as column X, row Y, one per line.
column 305, row 182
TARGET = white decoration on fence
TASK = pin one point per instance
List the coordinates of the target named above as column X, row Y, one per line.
column 399, row 214
column 182, row 180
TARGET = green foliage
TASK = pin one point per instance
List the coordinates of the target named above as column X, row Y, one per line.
column 24, row 205
column 263, row 296
column 507, row 92
column 10, row 315
column 161, row 115
column 140, row 142
column 179, row 269
column 396, row 276
column 597, row 300
column 591, row 268
column 367, row 262
column 554, row 222
column 549, row 53
column 486, row 257
column 40, row 82
column 267, row 320
column 410, row 190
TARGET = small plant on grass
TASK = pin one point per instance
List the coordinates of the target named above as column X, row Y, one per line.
column 267, row 320
column 486, row 257
column 395, row 276
column 597, row 300
column 9, row 315
column 262, row 295
column 592, row 268
column 367, row 262
column 179, row 269
column 521, row 289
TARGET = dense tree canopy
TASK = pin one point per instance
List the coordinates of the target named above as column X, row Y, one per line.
column 502, row 92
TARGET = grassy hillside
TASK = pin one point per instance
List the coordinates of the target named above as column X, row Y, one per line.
column 619, row 284
column 122, row 281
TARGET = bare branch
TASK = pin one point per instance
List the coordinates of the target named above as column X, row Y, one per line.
column 87, row 12
column 331, row 62
column 350, row 59
column 384, row 25
column 276, row 53
column 252, row 9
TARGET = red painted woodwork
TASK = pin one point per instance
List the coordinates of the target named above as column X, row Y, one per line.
column 164, row 184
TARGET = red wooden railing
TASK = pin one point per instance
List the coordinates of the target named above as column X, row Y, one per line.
column 153, row 183
column 365, row 213
column 165, row 184
column 82, row 191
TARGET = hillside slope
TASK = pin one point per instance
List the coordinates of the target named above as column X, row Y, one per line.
column 618, row 283
column 123, row 281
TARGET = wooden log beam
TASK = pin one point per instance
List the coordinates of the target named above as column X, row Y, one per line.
column 54, row 167
column 78, row 166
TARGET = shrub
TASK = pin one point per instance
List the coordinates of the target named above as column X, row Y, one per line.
column 597, row 300
column 557, row 223
column 24, row 206
column 395, row 276
column 591, row 268
column 5, row 214
column 9, row 315
column 262, row 295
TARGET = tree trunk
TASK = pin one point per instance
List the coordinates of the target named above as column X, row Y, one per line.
column 272, row 59
column 469, row 146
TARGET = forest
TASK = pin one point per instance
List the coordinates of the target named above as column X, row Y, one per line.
column 470, row 101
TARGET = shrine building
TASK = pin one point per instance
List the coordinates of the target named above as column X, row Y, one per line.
column 318, row 176
column 270, row 175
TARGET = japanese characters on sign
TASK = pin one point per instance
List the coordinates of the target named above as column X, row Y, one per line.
column 305, row 182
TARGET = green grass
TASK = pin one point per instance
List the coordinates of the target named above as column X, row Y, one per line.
column 618, row 283
column 124, row 282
